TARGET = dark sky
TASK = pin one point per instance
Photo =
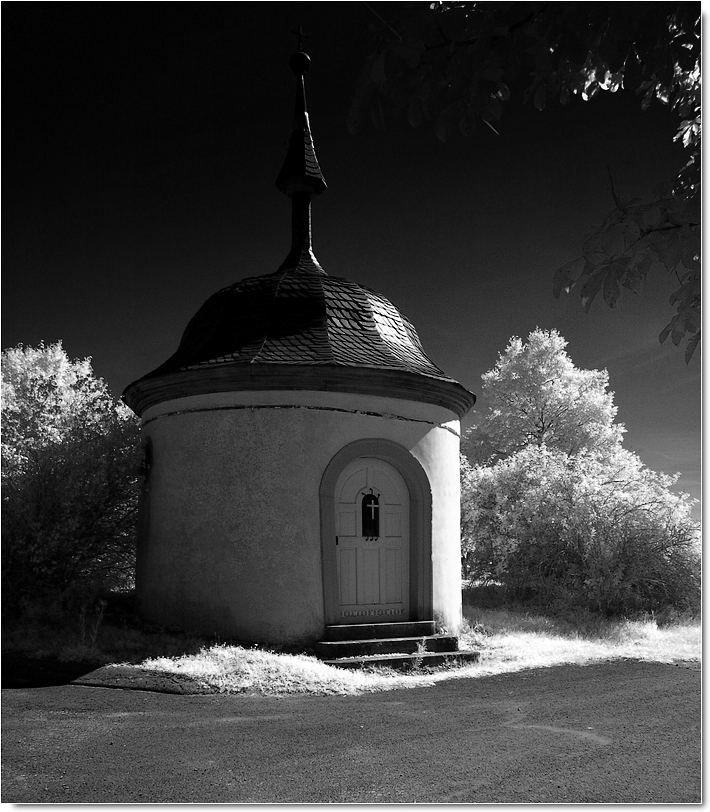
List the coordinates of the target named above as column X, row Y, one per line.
column 141, row 146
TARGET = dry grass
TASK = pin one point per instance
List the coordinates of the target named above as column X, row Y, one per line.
column 509, row 642
column 235, row 669
column 516, row 641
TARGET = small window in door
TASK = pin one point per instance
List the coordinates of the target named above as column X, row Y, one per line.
column 370, row 516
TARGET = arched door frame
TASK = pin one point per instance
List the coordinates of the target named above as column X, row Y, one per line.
column 420, row 569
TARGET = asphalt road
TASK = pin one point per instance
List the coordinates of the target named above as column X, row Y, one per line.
column 608, row 733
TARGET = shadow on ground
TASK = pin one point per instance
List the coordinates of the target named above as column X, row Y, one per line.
column 21, row 671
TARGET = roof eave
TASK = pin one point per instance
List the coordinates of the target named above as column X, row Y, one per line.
column 393, row 383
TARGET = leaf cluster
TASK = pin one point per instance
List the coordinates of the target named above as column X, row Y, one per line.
column 636, row 238
column 554, row 508
column 535, row 395
column 581, row 531
column 454, row 64
column 70, row 455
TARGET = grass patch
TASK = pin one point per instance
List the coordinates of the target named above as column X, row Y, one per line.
column 510, row 640
column 516, row 640
column 236, row 669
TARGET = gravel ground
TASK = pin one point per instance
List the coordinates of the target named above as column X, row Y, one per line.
column 617, row 732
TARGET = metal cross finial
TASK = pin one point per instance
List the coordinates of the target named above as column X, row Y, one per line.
column 301, row 36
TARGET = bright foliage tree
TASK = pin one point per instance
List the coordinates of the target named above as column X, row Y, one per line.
column 455, row 64
column 602, row 533
column 535, row 395
column 554, row 508
column 71, row 456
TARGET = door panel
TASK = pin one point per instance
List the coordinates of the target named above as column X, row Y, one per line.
column 368, row 576
column 373, row 572
column 354, row 482
column 393, row 524
column 348, row 576
column 347, row 523
column 393, row 576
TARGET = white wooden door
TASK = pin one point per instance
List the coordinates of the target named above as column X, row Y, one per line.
column 372, row 544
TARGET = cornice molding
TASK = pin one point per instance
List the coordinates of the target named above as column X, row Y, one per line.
column 150, row 391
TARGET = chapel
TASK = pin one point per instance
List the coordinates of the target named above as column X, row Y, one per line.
column 301, row 454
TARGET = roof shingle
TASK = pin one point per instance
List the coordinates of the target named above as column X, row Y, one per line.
column 300, row 315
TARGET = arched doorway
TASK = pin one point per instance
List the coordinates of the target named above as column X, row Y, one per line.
column 376, row 535
column 372, row 542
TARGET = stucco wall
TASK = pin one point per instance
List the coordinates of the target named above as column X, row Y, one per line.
column 232, row 527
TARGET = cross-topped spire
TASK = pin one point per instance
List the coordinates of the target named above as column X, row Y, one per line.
column 300, row 177
column 300, row 171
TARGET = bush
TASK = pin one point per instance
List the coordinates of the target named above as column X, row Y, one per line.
column 71, row 457
column 599, row 533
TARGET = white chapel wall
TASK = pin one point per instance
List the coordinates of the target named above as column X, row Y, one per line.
column 233, row 543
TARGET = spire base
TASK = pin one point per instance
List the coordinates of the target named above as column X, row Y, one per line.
column 301, row 255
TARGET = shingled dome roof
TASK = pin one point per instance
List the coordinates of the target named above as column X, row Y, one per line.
column 299, row 328
column 298, row 317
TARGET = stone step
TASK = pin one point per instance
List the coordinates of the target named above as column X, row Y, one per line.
column 392, row 645
column 378, row 631
column 406, row 661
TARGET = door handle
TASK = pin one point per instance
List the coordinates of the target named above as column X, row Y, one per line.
column 336, row 541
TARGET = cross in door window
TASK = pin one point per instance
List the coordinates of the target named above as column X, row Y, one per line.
column 370, row 516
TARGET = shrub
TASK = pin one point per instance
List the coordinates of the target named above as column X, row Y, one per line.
column 597, row 532
column 70, row 456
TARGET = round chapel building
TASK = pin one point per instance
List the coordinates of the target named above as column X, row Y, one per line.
column 302, row 454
